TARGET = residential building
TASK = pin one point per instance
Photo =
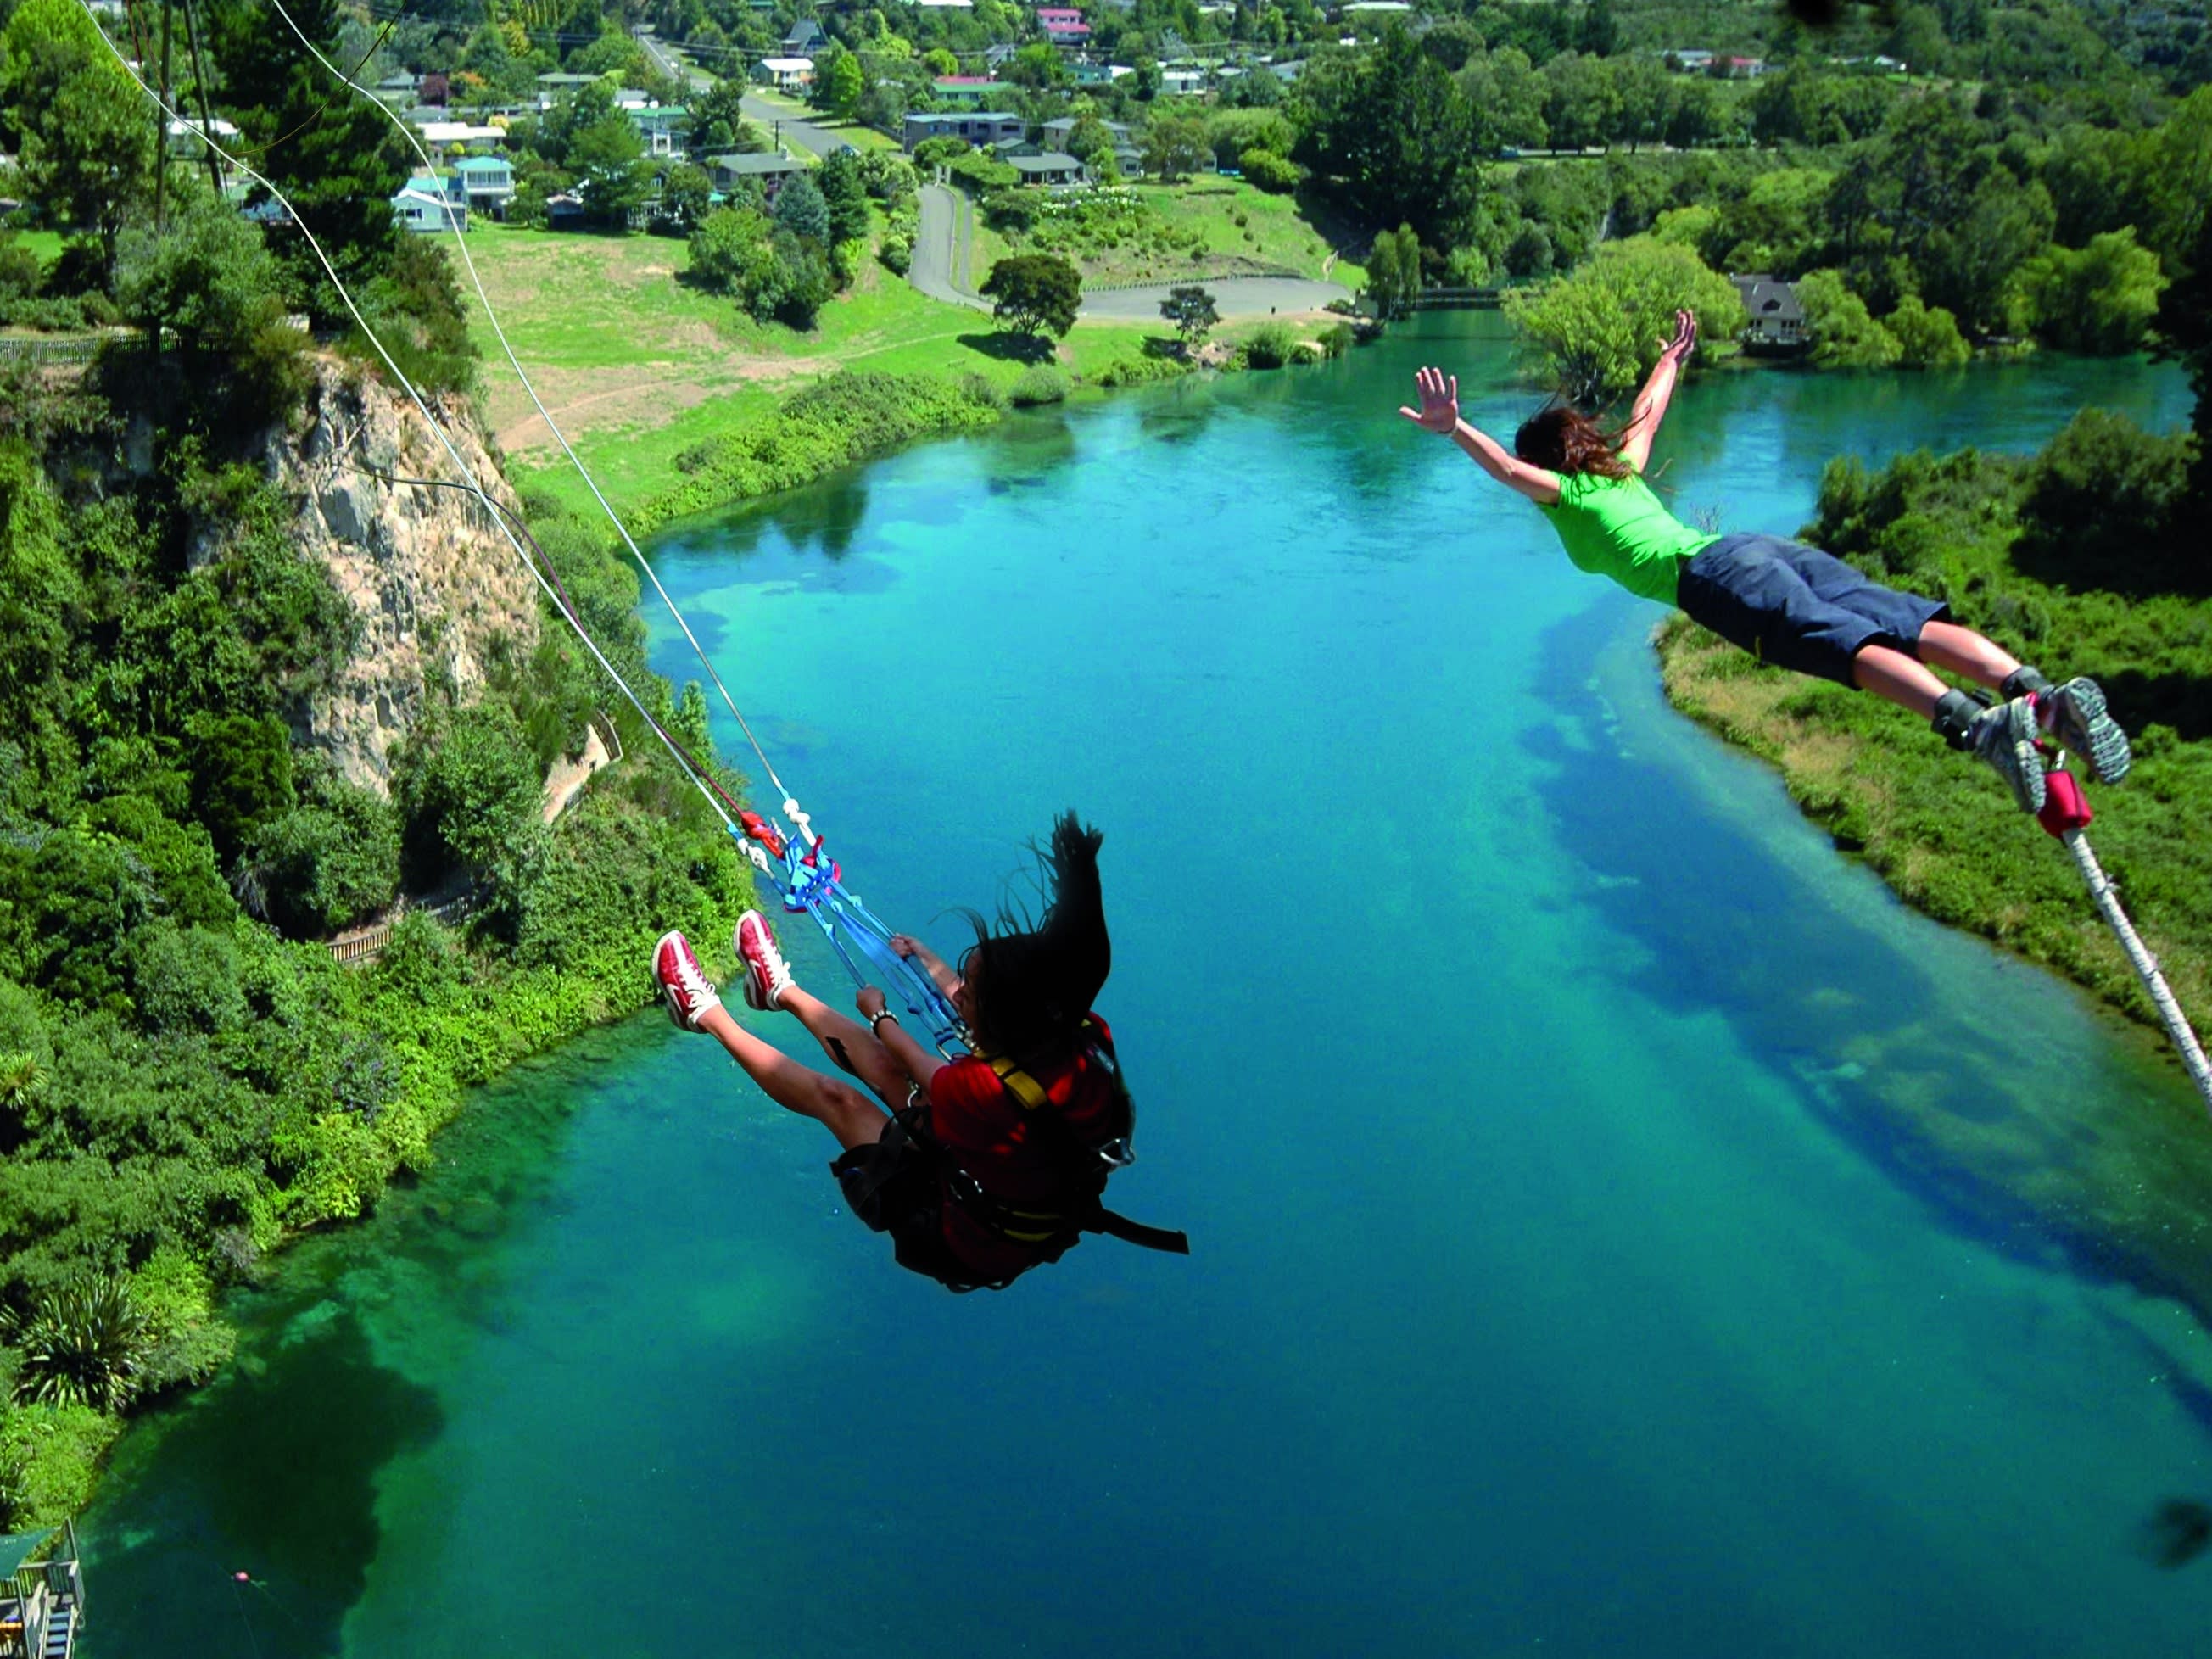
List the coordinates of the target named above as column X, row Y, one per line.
column 787, row 74
column 488, row 181
column 184, row 135
column 966, row 91
column 440, row 137
column 397, row 89
column 1047, row 167
column 1777, row 317
column 1181, row 82
column 979, row 128
column 663, row 126
column 805, row 39
column 1063, row 26
column 417, row 210
column 770, row 169
column 555, row 89
column 1690, row 60
column 1739, row 69
column 961, row 5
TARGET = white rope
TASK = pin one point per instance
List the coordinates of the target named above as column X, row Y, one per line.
column 461, row 241
column 460, row 464
column 2107, row 898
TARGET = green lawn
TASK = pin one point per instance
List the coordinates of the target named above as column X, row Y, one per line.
column 637, row 367
column 46, row 244
column 1272, row 235
column 853, row 133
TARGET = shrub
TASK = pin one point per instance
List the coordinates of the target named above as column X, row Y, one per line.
column 1138, row 371
column 1270, row 345
column 1336, row 339
column 2099, row 507
column 896, row 254
column 1039, row 384
column 1011, row 209
column 1927, row 336
column 82, row 1344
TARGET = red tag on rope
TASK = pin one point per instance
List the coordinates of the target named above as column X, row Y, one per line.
column 2065, row 806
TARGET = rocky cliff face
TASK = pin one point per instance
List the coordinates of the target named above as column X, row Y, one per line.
column 427, row 570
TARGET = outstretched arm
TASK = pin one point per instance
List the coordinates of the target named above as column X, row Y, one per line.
column 916, row 1061
column 1439, row 413
column 1650, row 407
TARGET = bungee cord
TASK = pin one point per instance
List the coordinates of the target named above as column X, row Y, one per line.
column 810, row 882
column 437, row 428
column 491, row 315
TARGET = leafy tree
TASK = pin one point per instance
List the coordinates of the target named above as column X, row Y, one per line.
column 686, row 196
column 2184, row 324
column 241, row 771
column 1397, row 139
column 1927, row 336
column 1581, row 106
column 326, row 864
column 845, row 196
column 1507, row 92
column 1393, row 273
column 1035, row 294
column 2101, row 298
column 801, row 208
column 839, row 81
column 88, row 149
column 337, row 160
column 468, row 793
column 1175, row 146
column 210, row 285
column 1600, row 330
column 607, row 155
column 1190, row 310
column 719, row 124
column 1844, row 333
column 722, row 248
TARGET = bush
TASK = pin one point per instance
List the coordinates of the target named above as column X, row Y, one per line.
column 1270, row 345
column 2101, row 505
column 1039, row 384
column 1276, row 174
column 1138, row 371
column 1844, row 333
column 896, row 254
column 468, row 789
column 1927, row 337
column 326, row 864
column 1011, row 209
column 1336, row 339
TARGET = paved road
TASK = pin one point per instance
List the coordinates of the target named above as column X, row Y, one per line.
column 780, row 123
column 668, row 63
column 943, row 214
column 1233, row 297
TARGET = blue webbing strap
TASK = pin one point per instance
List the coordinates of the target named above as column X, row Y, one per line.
column 858, row 937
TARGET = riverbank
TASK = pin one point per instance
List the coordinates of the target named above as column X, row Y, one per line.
column 1938, row 829
column 655, row 382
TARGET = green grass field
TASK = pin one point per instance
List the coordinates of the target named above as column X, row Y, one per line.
column 637, row 367
column 45, row 243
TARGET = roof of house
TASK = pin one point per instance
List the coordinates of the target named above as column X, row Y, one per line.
column 460, row 132
column 965, row 80
column 765, row 161
column 1045, row 161
column 786, row 65
column 1768, row 300
column 469, row 164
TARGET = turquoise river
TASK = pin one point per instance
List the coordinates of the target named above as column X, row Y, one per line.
column 1620, row 1226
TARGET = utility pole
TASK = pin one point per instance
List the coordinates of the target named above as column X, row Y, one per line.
column 162, row 128
column 207, row 111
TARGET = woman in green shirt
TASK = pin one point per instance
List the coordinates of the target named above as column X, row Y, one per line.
column 1790, row 605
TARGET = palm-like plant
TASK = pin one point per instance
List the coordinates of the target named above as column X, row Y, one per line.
column 82, row 1344
column 22, row 1077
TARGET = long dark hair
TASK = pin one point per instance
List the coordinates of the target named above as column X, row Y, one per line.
column 1033, row 982
column 1561, row 438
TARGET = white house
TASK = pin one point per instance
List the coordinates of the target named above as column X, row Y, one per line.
column 788, row 73
column 417, row 210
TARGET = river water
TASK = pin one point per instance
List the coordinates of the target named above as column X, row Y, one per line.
column 1618, row 1225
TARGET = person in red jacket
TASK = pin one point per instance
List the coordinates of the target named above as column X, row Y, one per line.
column 982, row 1167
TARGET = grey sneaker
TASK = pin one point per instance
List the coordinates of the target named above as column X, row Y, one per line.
column 2005, row 737
column 2078, row 719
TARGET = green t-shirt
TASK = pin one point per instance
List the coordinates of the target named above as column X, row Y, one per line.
column 1617, row 527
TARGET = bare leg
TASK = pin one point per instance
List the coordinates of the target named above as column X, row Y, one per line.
column 1901, row 679
column 848, row 1042
column 847, row 1113
column 1962, row 651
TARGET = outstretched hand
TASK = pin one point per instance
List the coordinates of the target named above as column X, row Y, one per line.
column 1686, row 337
column 1439, row 394
column 904, row 945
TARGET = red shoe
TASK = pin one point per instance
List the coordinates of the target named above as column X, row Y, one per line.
column 767, row 977
column 683, row 983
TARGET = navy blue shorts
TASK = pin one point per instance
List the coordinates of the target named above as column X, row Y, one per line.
column 1797, row 607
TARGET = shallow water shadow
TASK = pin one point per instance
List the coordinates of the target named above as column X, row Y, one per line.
column 272, row 1473
column 1883, row 1058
